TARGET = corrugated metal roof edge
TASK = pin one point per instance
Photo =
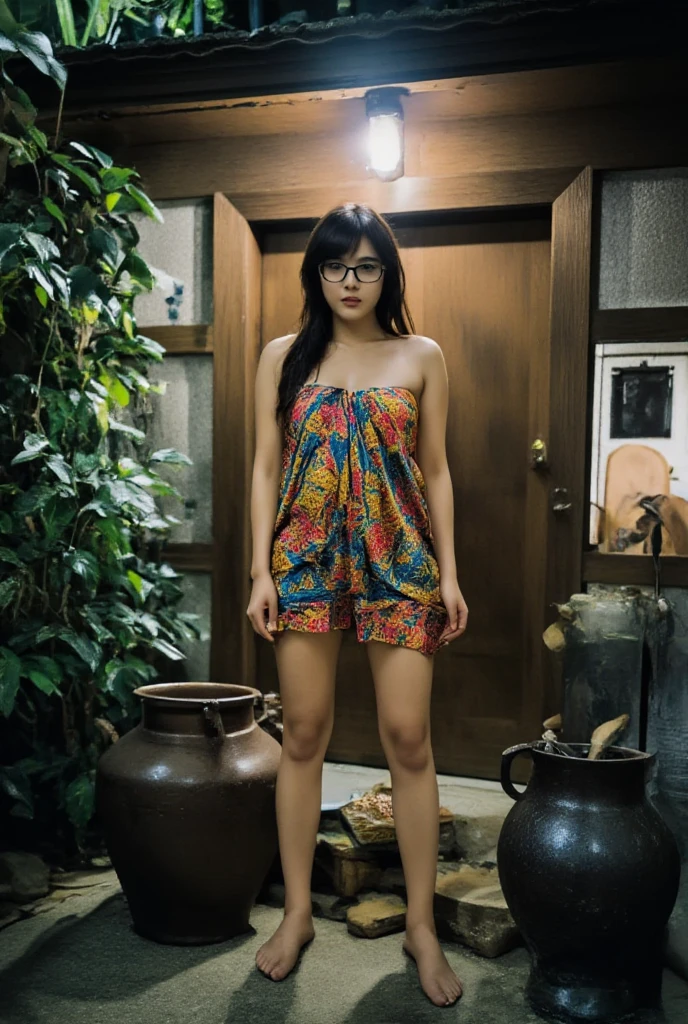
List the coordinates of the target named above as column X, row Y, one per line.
column 484, row 11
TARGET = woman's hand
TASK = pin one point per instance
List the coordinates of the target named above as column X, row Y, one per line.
column 457, row 610
column 263, row 597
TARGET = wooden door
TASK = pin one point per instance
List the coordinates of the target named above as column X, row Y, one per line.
column 479, row 285
column 237, row 344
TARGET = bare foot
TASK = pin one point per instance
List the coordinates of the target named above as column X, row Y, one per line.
column 437, row 979
column 277, row 956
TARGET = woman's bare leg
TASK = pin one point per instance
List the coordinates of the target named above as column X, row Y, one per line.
column 306, row 665
column 403, row 682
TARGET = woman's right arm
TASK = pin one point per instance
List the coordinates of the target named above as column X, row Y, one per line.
column 265, row 487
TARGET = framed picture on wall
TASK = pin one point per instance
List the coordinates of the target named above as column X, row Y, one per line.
column 639, row 458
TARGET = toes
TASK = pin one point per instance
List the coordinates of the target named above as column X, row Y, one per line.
column 455, row 992
column 438, row 996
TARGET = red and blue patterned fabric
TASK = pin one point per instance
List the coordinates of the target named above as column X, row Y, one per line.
column 352, row 533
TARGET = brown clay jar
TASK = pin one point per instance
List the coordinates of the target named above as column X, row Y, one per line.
column 186, row 801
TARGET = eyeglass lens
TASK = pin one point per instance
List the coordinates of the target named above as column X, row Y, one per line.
column 366, row 273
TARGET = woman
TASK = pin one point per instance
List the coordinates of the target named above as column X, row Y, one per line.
column 350, row 470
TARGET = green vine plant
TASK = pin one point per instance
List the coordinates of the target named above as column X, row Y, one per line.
column 88, row 610
column 82, row 23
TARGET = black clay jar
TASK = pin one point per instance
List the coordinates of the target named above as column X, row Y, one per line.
column 187, row 805
column 590, row 873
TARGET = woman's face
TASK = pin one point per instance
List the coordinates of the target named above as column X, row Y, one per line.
column 340, row 294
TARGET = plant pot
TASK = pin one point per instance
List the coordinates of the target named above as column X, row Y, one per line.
column 590, row 873
column 186, row 802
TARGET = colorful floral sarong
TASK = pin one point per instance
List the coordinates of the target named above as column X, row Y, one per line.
column 352, row 532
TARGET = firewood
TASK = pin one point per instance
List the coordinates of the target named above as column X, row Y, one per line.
column 605, row 734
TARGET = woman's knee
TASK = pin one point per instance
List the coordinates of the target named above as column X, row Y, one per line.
column 306, row 739
column 407, row 744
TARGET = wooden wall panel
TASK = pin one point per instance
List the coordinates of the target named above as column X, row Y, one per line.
column 610, row 137
column 607, row 136
column 463, row 192
column 492, row 95
column 182, row 339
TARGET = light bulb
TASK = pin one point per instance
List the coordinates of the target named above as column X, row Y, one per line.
column 386, row 142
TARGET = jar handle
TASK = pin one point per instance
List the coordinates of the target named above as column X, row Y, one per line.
column 212, row 716
column 507, row 758
column 259, row 704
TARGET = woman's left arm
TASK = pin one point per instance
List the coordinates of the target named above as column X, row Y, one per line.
column 431, row 456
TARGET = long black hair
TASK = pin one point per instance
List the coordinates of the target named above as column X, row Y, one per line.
column 337, row 233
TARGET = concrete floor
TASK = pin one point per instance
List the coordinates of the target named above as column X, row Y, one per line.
column 81, row 963
column 342, row 782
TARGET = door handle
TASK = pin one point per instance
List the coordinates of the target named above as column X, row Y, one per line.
column 559, row 503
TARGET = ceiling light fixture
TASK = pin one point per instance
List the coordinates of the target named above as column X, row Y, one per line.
column 385, row 116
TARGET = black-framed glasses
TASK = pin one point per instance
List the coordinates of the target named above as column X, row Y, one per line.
column 335, row 272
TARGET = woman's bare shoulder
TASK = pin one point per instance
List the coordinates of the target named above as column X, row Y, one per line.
column 274, row 351
column 425, row 350
column 278, row 347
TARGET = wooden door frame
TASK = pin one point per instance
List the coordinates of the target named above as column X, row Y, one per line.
column 554, row 544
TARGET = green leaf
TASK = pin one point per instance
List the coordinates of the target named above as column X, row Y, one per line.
column 78, row 172
column 58, row 513
column 33, row 446
column 125, row 428
column 62, row 281
column 44, row 684
column 138, row 270
column 66, row 18
column 20, row 102
column 102, row 416
column 170, row 455
column 85, row 283
column 115, row 389
column 44, row 247
column 93, row 153
column 87, row 650
column 25, row 456
column 11, row 557
column 80, row 799
column 83, row 564
column 168, row 649
column 128, row 324
column 9, row 236
column 55, row 211
column 10, row 667
column 105, row 243
column 12, row 140
column 150, row 622
column 37, row 272
column 39, row 138
column 95, row 506
column 43, row 664
column 145, row 203
column 37, row 47
column 151, row 347
column 14, row 782
column 115, row 177
column 60, row 468
column 135, row 580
